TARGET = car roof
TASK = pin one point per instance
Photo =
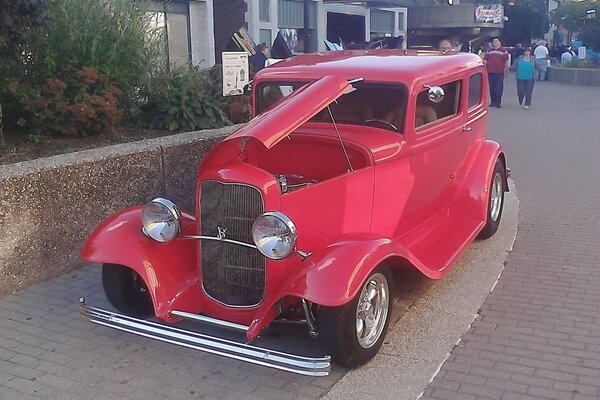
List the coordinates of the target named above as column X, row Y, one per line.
column 409, row 66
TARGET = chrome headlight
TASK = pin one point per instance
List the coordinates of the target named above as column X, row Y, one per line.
column 161, row 220
column 274, row 235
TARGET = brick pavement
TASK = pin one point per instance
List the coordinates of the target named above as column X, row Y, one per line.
column 538, row 334
column 48, row 351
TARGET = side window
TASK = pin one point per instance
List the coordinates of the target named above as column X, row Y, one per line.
column 428, row 112
column 475, row 90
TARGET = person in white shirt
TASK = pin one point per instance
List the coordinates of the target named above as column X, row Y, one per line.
column 541, row 58
column 567, row 55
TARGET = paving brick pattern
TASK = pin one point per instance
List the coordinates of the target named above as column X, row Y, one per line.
column 538, row 334
column 48, row 351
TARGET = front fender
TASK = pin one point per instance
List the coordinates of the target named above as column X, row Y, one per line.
column 168, row 269
column 334, row 276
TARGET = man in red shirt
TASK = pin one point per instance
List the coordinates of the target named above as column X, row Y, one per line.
column 496, row 61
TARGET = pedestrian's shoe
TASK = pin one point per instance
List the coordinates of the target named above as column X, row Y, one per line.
column 498, row 105
column 526, row 107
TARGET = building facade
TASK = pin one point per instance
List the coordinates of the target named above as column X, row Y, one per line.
column 198, row 31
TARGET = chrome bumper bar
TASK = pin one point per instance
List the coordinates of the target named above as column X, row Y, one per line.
column 209, row 344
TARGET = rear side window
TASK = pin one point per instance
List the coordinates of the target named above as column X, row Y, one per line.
column 428, row 112
column 475, row 90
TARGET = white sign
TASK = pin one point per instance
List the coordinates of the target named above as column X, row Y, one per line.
column 235, row 72
column 581, row 52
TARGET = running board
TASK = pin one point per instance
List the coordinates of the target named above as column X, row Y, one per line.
column 209, row 344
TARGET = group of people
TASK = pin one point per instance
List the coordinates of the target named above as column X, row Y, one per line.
column 530, row 65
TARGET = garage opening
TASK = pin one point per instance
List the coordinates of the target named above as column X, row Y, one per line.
column 350, row 28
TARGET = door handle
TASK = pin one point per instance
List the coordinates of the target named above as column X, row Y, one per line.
column 467, row 129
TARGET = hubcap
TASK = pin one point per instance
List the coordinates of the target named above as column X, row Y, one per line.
column 372, row 310
column 496, row 192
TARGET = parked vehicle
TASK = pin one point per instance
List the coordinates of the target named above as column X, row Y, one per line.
column 356, row 163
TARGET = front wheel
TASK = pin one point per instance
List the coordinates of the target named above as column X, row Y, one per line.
column 354, row 332
column 127, row 291
column 495, row 201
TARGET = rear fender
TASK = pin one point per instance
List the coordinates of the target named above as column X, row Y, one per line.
column 478, row 175
column 168, row 269
column 334, row 276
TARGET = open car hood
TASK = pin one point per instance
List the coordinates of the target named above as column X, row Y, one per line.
column 292, row 111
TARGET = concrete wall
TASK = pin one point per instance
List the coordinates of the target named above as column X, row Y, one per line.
column 49, row 206
column 574, row 76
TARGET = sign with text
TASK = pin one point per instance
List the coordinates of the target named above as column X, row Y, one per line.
column 235, row 72
column 489, row 13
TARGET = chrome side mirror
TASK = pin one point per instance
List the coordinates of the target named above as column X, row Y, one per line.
column 435, row 93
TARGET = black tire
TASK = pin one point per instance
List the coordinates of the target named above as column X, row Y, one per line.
column 495, row 195
column 127, row 291
column 338, row 325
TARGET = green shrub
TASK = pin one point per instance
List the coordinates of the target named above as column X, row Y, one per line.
column 84, row 103
column 119, row 38
column 186, row 99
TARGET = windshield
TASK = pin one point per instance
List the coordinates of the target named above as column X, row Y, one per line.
column 371, row 104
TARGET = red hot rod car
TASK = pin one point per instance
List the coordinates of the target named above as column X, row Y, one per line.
column 356, row 163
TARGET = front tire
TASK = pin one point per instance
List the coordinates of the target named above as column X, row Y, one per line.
column 495, row 201
column 355, row 331
column 127, row 291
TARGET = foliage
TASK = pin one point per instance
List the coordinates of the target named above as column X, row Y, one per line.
column 117, row 37
column 581, row 64
column 17, row 18
column 186, row 99
column 526, row 19
column 590, row 35
column 572, row 15
column 84, row 103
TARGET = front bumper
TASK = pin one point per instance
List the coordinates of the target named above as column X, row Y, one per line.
column 209, row 344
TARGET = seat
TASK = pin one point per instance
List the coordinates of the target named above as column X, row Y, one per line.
column 424, row 115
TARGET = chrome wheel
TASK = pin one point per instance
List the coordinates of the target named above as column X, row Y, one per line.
column 496, row 197
column 372, row 310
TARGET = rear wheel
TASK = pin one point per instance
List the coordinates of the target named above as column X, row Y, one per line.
column 354, row 332
column 495, row 201
column 127, row 291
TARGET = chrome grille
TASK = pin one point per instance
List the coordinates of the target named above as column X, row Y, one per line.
column 231, row 274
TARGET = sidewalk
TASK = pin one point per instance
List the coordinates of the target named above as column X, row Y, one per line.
column 538, row 335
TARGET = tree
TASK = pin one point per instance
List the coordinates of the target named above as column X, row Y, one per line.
column 17, row 19
column 574, row 17
column 526, row 19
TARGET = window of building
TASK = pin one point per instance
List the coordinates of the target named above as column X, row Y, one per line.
column 382, row 23
column 401, row 17
column 475, row 90
column 264, row 10
column 265, row 36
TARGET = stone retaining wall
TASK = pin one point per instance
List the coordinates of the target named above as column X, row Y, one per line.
column 49, row 206
column 574, row 76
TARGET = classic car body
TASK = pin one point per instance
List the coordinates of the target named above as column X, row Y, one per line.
column 357, row 162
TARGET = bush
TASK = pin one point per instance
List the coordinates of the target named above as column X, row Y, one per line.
column 83, row 104
column 186, row 99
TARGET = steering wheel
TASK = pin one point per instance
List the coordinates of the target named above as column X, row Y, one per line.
column 376, row 121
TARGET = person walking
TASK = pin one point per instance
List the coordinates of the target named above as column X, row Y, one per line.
column 496, row 61
column 541, row 59
column 525, row 66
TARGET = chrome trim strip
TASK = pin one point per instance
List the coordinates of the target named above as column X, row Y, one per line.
column 218, row 239
column 318, row 366
column 209, row 320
